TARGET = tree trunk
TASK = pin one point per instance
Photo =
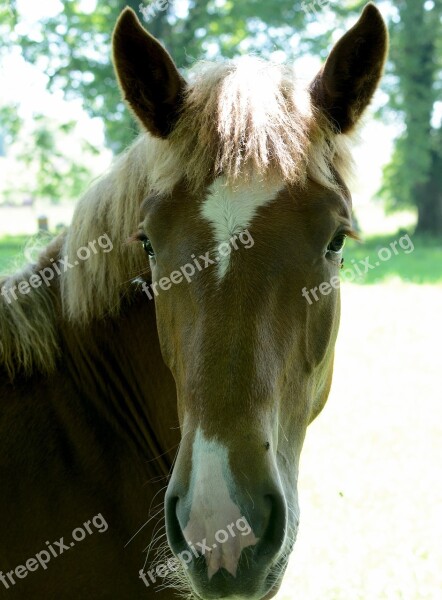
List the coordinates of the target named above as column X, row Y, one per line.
column 429, row 201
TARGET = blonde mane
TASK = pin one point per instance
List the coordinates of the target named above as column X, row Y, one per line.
column 248, row 117
column 240, row 119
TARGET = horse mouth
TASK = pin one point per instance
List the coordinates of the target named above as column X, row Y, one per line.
column 274, row 578
column 273, row 581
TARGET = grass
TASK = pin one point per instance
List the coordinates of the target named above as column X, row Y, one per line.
column 419, row 260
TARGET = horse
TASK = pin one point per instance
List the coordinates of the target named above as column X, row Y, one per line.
column 161, row 360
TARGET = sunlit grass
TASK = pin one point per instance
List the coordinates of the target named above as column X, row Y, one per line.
column 370, row 483
column 417, row 261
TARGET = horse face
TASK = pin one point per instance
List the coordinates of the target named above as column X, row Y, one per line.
column 245, row 279
column 252, row 358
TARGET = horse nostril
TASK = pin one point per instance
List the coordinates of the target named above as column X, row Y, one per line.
column 268, row 519
column 274, row 536
column 175, row 535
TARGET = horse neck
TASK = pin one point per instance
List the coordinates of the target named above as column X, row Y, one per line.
column 118, row 367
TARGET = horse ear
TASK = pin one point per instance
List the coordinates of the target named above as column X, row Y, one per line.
column 345, row 85
column 151, row 83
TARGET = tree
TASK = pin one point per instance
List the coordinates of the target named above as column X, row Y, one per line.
column 74, row 50
column 74, row 47
column 414, row 176
column 10, row 123
column 8, row 20
column 55, row 169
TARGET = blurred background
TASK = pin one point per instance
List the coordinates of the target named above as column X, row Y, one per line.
column 371, row 491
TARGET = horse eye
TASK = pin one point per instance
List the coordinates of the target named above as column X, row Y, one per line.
column 147, row 246
column 337, row 244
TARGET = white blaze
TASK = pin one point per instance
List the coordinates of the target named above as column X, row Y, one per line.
column 213, row 514
column 231, row 210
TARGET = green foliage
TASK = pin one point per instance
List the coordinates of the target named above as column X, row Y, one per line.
column 57, row 173
column 56, row 176
column 74, row 47
column 416, row 60
column 10, row 123
column 8, row 20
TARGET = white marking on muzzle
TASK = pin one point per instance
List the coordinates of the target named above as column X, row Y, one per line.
column 216, row 526
column 231, row 210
